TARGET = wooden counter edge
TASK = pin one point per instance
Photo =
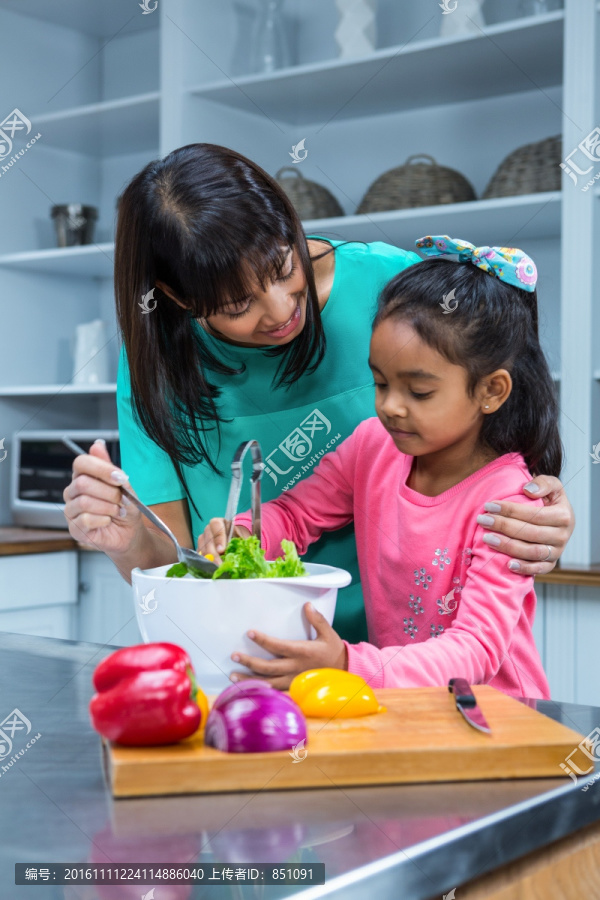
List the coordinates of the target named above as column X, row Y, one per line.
column 584, row 576
column 40, row 546
column 567, row 868
column 15, row 541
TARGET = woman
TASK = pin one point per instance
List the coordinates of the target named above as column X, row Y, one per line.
column 245, row 329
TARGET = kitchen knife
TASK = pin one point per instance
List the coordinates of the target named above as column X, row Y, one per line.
column 467, row 704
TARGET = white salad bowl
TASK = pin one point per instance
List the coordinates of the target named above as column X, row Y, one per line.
column 210, row 618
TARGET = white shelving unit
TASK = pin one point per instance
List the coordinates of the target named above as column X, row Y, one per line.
column 89, row 261
column 51, row 390
column 90, row 129
column 530, row 216
column 91, row 88
column 305, row 94
column 114, row 89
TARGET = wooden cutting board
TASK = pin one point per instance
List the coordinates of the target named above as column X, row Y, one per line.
column 422, row 737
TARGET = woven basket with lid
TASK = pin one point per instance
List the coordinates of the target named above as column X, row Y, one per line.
column 309, row 199
column 528, row 170
column 416, row 184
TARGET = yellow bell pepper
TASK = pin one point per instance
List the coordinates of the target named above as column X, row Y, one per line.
column 333, row 693
column 202, row 701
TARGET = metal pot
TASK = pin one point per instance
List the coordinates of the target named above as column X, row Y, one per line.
column 74, row 224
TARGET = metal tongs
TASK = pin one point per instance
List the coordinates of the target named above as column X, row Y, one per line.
column 236, row 486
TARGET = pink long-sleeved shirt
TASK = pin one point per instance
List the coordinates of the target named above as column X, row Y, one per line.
column 440, row 602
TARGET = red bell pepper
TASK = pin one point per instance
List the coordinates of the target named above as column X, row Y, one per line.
column 145, row 695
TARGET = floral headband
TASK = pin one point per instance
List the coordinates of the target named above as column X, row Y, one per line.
column 507, row 263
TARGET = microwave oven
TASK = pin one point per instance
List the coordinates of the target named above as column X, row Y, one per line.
column 42, row 468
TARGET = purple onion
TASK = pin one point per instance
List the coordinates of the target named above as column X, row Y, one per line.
column 241, row 689
column 255, row 723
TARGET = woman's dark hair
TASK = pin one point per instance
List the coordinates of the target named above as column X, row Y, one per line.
column 204, row 220
column 493, row 326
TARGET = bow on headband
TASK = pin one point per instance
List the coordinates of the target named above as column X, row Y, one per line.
column 507, row 263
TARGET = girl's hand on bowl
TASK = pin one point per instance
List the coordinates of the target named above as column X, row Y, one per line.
column 327, row 650
column 97, row 512
column 214, row 538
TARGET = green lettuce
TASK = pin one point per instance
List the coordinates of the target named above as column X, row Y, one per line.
column 288, row 566
column 245, row 558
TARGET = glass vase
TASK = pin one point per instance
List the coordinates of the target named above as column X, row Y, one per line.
column 271, row 48
column 538, row 7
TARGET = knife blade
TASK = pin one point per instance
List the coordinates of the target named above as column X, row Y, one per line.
column 466, row 704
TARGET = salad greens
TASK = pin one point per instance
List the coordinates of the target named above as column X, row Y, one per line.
column 245, row 558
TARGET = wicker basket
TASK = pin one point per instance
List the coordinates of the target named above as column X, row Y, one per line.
column 310, row 200
column 416, row 184
column 528, row 170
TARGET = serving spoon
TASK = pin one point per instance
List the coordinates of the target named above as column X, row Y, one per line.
column 189, row 557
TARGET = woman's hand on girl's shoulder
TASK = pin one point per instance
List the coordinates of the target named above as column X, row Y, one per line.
column 535, row 536
column 214, row 538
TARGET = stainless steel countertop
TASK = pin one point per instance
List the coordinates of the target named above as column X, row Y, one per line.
column 412, row 841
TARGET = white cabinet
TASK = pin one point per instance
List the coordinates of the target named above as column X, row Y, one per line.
column 38, row 594
column 73, row 595
column 566, row 633
column 106, row 614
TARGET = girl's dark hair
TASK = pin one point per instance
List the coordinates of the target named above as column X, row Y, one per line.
column 494, row 326
column 204, row 220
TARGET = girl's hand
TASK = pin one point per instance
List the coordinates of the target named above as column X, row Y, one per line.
column 214, row 538
column 96, row 511
column 327, row 650
column 529, row 533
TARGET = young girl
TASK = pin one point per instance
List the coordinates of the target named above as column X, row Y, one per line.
column 466, row 410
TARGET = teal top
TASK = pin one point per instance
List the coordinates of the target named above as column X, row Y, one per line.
column 294, row 427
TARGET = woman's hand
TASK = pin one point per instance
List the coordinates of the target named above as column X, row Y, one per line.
column 97, row 512
column 292, row 657
column 531, row 533
column 214, row 537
